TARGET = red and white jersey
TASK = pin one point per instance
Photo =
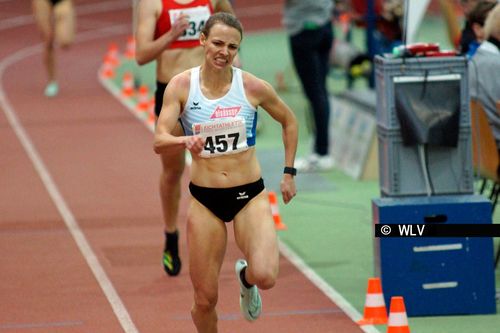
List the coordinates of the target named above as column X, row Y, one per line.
column 198, row 11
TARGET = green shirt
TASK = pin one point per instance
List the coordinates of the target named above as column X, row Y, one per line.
column 306, row 14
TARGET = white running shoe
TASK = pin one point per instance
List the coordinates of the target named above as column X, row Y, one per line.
column 250, row 301
column 314, row 163
column 52, row 89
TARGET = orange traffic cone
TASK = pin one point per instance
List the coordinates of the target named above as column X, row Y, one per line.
column 273, row 200
column 107, row 69
column 375, row 312
column 152, row 102
column 130, row 50
column 143, row 99
column 112, row 54
column 127, row 85
column 110, row 62
column 398, row 321
column 151, row 117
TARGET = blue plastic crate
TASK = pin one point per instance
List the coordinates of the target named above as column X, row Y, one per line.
column 436, row 276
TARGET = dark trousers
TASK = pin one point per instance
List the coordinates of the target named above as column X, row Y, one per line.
column 310, row 53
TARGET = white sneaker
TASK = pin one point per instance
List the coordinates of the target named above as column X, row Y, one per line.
column 314, row 163
column 250, row 301
column 52, row 89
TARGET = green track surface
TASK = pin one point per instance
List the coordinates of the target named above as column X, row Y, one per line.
column 329, row 222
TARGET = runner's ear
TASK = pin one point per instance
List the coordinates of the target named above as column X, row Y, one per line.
column 203, row 39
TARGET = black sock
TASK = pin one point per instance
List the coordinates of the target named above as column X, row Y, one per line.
column 243, row 280
column 171, row 242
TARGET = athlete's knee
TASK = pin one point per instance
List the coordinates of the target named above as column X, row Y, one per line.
column 265, row 276
column 204, row 300
column 203, row 317
column 65, row 43
column 64, row 36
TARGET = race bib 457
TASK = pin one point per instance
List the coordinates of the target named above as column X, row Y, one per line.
column 222, row 136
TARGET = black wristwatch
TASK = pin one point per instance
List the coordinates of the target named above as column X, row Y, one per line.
column 290, row 170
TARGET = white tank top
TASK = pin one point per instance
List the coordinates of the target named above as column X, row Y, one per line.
column 227, row 123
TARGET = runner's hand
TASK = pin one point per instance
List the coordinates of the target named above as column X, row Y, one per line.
column 194, row 144
column 180, row 25
column 288, row 190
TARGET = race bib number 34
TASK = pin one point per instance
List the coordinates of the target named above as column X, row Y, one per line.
column 197, row 18
column 222, row 136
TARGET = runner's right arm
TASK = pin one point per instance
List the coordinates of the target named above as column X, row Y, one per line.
column 175, row 97
column 148, row 48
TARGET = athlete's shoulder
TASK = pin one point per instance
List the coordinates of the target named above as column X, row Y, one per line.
column 181, row 80
column 151, row 5
column 256, row 89
column 253, row 84
column 178, row 87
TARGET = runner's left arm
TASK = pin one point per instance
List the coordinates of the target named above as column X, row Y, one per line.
column 266, row 97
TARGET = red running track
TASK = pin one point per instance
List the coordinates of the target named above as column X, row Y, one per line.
column 80, row 219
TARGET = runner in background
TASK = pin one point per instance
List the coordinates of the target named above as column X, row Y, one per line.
column 168, row 32
column 483, row 84
column 56, row 21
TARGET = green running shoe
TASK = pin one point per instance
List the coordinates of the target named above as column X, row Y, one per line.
column 171, row 263
column 250, row 301
column 171, row 260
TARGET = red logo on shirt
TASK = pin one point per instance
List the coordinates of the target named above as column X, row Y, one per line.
column 221, row 112
column 197, row 128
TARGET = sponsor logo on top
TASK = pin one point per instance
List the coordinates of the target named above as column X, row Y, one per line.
column 221, row 112
column 195, row 106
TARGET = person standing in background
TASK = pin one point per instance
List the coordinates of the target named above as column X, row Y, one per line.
column 168, row 32
column 463, row 39
column 56, row 21
column 484, row 85
column 309, row 26
column 477, row 17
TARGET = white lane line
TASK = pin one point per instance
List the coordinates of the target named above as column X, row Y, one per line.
column 327, row 289
column 69, row 219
